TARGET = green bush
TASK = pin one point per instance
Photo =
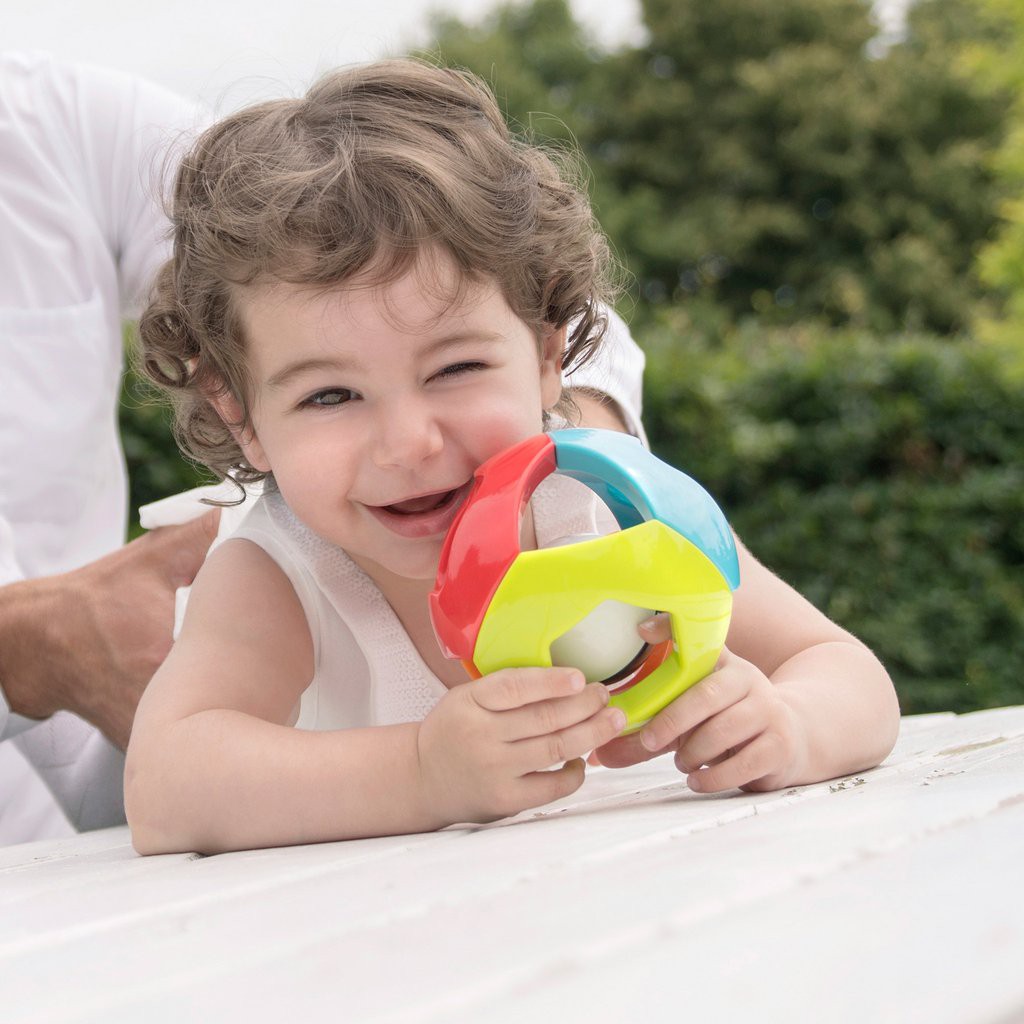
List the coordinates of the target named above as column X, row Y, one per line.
column 155, row 466
column 767, row 156
column 883, row 478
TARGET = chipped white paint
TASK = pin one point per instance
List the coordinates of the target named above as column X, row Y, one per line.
column 892, row 895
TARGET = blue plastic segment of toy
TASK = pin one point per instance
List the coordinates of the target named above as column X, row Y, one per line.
column 637, row 486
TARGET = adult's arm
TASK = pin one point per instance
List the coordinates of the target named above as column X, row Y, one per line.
column 82, row 624
column 89, row 640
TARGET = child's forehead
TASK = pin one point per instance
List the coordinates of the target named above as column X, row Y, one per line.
column 431, row 292
column 421, row 303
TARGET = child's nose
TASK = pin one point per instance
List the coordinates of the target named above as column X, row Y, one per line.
column 407, row 433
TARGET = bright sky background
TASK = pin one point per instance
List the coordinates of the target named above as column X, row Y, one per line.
column 229, row 52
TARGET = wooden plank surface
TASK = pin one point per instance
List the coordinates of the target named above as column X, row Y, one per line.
column 897, row 895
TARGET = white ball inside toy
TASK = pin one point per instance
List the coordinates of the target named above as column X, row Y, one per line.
column 604, row 641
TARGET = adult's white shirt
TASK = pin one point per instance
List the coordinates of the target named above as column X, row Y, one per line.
column 81, row 232
column 83, row 155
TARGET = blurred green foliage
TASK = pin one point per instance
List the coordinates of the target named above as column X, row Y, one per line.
column 760, row 156
column 802, row 216
column 998, row 62
column 155, row 467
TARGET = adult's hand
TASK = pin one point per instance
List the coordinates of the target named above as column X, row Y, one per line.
column 89, row 640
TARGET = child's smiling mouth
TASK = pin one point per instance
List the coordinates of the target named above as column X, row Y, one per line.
column 425, row 515
column 424, row 503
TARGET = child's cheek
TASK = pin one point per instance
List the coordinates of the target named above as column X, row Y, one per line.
column 501, row 425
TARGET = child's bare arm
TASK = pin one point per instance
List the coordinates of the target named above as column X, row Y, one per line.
column 794, row 699
column 214, row 764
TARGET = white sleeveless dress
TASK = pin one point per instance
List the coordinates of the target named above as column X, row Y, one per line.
column 367, row 669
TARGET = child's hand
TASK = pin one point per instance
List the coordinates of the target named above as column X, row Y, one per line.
column 485, row 749
column 732, row 729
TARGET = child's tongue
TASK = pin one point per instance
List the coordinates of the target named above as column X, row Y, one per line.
column 422, row 504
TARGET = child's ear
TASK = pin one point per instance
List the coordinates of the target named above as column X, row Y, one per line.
column 229, row 409
column 552, row 348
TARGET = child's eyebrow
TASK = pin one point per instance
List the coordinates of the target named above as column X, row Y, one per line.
column 320, row 364
column 459, row 338
column 301, row 366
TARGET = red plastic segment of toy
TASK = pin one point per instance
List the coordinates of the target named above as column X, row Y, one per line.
column 483, row 542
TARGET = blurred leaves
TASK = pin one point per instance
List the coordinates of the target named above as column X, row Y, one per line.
column 998, row 62
column 758, row 155
column 155, row 467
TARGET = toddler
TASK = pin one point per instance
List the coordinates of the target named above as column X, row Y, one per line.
column 374, row 289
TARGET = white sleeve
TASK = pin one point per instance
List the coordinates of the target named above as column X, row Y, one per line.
column 10, row 572
column 81, row 144
column 91, row 149
column 130, row 134
column 617, row 370
column 10, row 723
column 81, row 768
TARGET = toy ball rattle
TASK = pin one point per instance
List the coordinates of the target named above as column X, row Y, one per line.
column 496, row 606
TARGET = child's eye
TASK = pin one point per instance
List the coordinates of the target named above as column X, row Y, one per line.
column 457, row 369
column 328, row 398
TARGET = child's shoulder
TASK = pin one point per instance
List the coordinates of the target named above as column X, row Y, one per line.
column 244, row 642
column 241, row 573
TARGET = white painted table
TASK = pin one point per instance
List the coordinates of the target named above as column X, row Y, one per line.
column 893, row 896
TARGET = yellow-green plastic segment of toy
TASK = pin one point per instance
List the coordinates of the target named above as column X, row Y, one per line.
column 546, row 592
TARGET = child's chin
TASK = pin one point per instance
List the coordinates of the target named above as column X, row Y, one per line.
column 426, row 571
column 414, row 565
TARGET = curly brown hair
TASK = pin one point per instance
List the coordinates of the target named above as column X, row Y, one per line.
column 373, row 164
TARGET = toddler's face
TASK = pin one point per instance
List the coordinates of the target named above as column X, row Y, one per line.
column 373, row 405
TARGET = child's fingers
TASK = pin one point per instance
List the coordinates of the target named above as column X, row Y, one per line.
column 623, row 751
column 543, row 787
column 548, row 716
column 541, row 752
column 728, row 730
column 656, row 629
column 760, row 757
column 711, row 695
column 515, row 687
